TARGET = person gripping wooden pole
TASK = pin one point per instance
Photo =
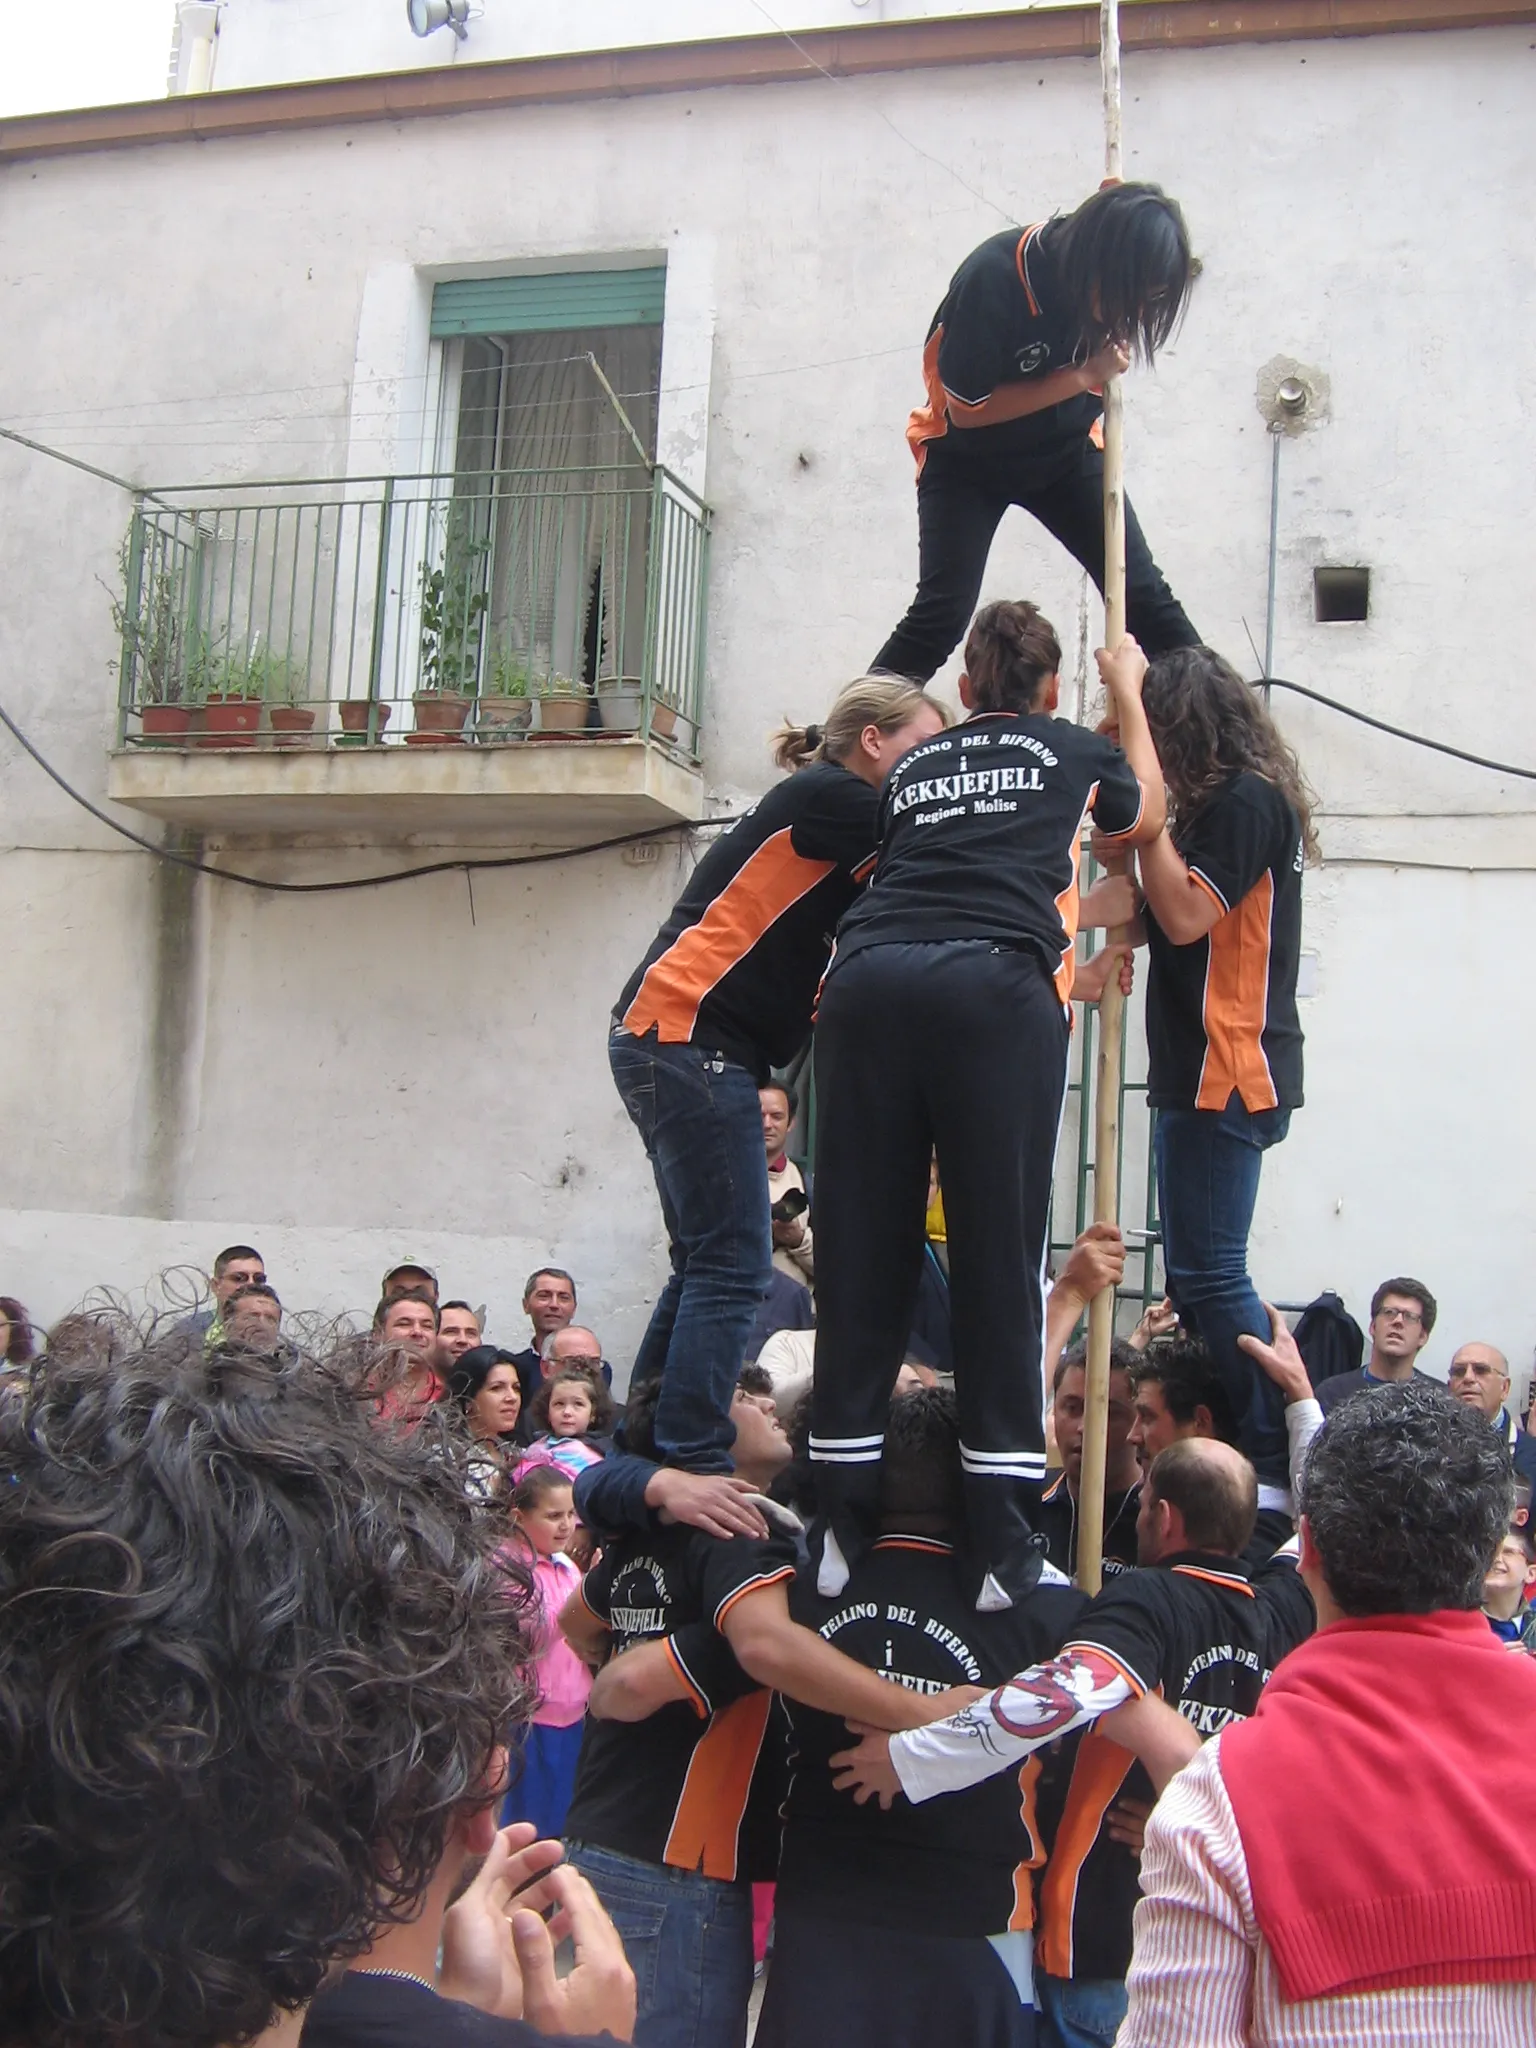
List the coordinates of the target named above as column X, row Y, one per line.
column 1106, row 1130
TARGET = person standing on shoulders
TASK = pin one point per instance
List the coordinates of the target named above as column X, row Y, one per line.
column 1220, row 890
column 1017, row 355
column 943, row 1026
column 724, row 995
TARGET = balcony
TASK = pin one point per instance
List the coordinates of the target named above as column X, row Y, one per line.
column 401, row 658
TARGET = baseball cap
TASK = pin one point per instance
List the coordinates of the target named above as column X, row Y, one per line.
column 408, row 1266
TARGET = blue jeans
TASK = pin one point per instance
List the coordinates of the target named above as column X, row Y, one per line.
column 689, row 1943
column 1079, row 2012
column 699, row 1118
column 1208, row 1165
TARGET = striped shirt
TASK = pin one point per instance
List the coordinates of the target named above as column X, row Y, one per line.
column 1203, row 1976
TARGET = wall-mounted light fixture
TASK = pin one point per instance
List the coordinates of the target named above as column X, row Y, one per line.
column 427, row 15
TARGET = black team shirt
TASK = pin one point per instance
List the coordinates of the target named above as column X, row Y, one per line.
column 1221, row 1011
column 979, row 837
column 959, row 1866
column 1056, row 1521
column 1199, row 1630
column 736, row 966
column 1004, row 320
column 697, row 1784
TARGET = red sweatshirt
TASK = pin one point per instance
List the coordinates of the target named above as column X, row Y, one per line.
column 1386, row 1807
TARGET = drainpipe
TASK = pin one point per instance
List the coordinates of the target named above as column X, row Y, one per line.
column 194, row 46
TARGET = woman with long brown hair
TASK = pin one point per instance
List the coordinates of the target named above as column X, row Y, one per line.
column 943, row 1028
column 1221, row 893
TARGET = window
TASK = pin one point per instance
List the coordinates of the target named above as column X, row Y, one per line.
column 548, row 426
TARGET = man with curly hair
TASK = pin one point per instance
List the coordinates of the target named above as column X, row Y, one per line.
column 257, row 1667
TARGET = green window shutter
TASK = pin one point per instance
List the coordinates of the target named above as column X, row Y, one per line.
column 544, row 304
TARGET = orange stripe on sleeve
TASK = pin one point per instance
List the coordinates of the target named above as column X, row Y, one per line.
column 707, row 1825
column 777, row 1578
column 1023, row 1914
column 1237, row 1005
column 1022, row 268
column 696, row 1699
column 757, row 895
column 929, row 422
column 1101, row 1769
column 1093, row 1649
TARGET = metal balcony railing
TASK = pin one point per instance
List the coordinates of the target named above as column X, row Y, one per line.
column 428, row 610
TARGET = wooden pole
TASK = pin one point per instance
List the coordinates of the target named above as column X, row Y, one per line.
column 1106, row 1123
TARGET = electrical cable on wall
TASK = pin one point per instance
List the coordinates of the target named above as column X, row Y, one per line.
column 435, row 867
column 521, row 860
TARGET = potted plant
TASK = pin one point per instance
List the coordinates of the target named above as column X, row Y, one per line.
column 286, row 690
column 506, row 703
column 663, row 720
column 453, row 607
column 233, row 701
column 621, row 703
column 563, row 704
column 154, row 643
column 354, row 719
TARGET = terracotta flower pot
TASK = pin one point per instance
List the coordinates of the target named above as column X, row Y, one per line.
column 441, row 711
column 434, row 739
column 663, row 722
column 163, row 725
column 564, row 714
column 503, row 718
column 354, row 721
column 290, row 722
column 231, row 721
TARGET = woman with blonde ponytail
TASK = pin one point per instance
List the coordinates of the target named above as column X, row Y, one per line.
column 723, row 996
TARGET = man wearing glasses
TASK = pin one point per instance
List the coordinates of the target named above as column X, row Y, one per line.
column 1402, row 1316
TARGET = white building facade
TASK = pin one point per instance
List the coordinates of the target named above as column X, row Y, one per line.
column 242, row 297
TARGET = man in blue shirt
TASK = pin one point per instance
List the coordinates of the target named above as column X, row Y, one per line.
column 1402, row 1316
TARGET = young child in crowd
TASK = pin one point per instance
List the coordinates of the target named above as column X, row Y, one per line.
column 544, row 1521
column 573, row 1414
column 1508, row 1588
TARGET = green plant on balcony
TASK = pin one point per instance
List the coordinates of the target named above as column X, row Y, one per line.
column 283, row 685
column 150, row 625
column 506, row 694
column 453, row 606
column 563, row 704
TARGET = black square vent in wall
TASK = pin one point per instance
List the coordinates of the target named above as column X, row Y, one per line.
column 1340, row 594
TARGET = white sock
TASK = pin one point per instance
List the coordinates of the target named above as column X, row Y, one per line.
column 832, row 1572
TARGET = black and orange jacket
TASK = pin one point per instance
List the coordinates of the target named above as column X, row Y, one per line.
column 736, row 966
column 1197, row 1629
column 961, row 1866
column 1004, row 320
column 697, row 1785
column 980, row 830
column 1221, row 1011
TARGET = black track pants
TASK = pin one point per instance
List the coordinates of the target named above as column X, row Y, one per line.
column 960, row 502
column 959, row 1046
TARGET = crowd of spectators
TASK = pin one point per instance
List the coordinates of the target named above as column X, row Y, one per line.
column 610, row 1750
